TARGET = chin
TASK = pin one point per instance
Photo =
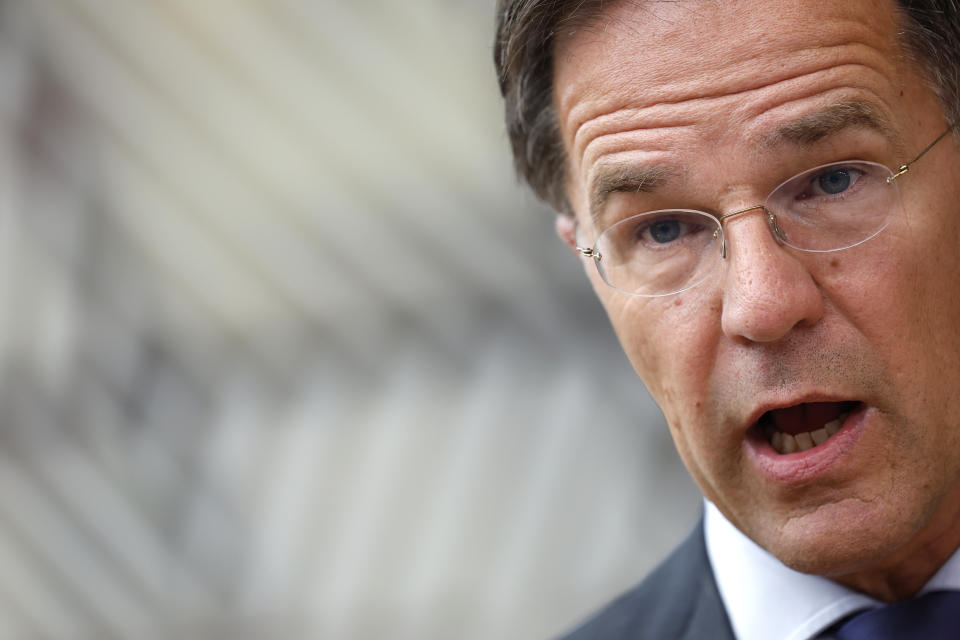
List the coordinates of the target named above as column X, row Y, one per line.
column 842, row 538
column 834, row 559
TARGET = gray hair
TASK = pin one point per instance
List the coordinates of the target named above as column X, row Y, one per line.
column 523, row 54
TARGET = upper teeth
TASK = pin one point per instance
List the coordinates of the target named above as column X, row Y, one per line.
column 786, row 443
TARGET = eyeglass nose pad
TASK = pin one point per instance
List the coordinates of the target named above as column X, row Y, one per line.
column 718, row 235
column 775, row 228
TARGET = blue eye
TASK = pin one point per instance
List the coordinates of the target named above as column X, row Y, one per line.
column 656, row 233
column 834, row 182
column 665, row 231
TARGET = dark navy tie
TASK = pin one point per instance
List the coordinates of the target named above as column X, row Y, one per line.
column 932, row 616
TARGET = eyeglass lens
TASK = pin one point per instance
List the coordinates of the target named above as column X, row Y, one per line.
column 827, row 208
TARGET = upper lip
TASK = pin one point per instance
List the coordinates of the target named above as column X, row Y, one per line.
column 755, row 415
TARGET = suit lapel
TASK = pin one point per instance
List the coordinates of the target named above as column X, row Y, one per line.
column 708, row 617
column 678, row 601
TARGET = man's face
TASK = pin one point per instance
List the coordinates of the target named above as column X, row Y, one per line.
column 700, row 93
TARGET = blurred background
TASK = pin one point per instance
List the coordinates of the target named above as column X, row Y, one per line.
column 285, row 351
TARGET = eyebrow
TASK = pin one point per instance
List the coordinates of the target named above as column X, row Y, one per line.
column 813, row 127
column 804, row 131
column 615, row 178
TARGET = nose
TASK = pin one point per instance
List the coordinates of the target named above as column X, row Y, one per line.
column 767, row 288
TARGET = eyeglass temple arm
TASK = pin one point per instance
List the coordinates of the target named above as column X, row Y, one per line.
column 902, row 169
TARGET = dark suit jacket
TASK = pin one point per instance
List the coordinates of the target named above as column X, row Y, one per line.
column 678, row 601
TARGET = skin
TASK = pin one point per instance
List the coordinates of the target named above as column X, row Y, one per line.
column 697, row 88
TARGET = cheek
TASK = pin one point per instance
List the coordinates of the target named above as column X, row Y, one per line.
column 905, row 301
column 926, row 348
column 902, row 299
column 671, row 343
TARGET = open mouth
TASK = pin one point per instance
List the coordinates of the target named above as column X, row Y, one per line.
column 804, row 426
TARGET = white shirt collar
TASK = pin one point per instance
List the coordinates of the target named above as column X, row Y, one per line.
column 766, row 600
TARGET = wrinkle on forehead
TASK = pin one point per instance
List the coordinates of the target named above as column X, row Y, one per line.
column 630, row 62
column 610, row 175
column 589, row 121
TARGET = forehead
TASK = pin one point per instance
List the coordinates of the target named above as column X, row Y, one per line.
column 668, row 47
column 655, row 77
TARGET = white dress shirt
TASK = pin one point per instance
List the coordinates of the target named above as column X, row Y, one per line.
column 766, row 600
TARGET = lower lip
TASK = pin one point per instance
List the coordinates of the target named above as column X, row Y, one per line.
column 793, row 468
